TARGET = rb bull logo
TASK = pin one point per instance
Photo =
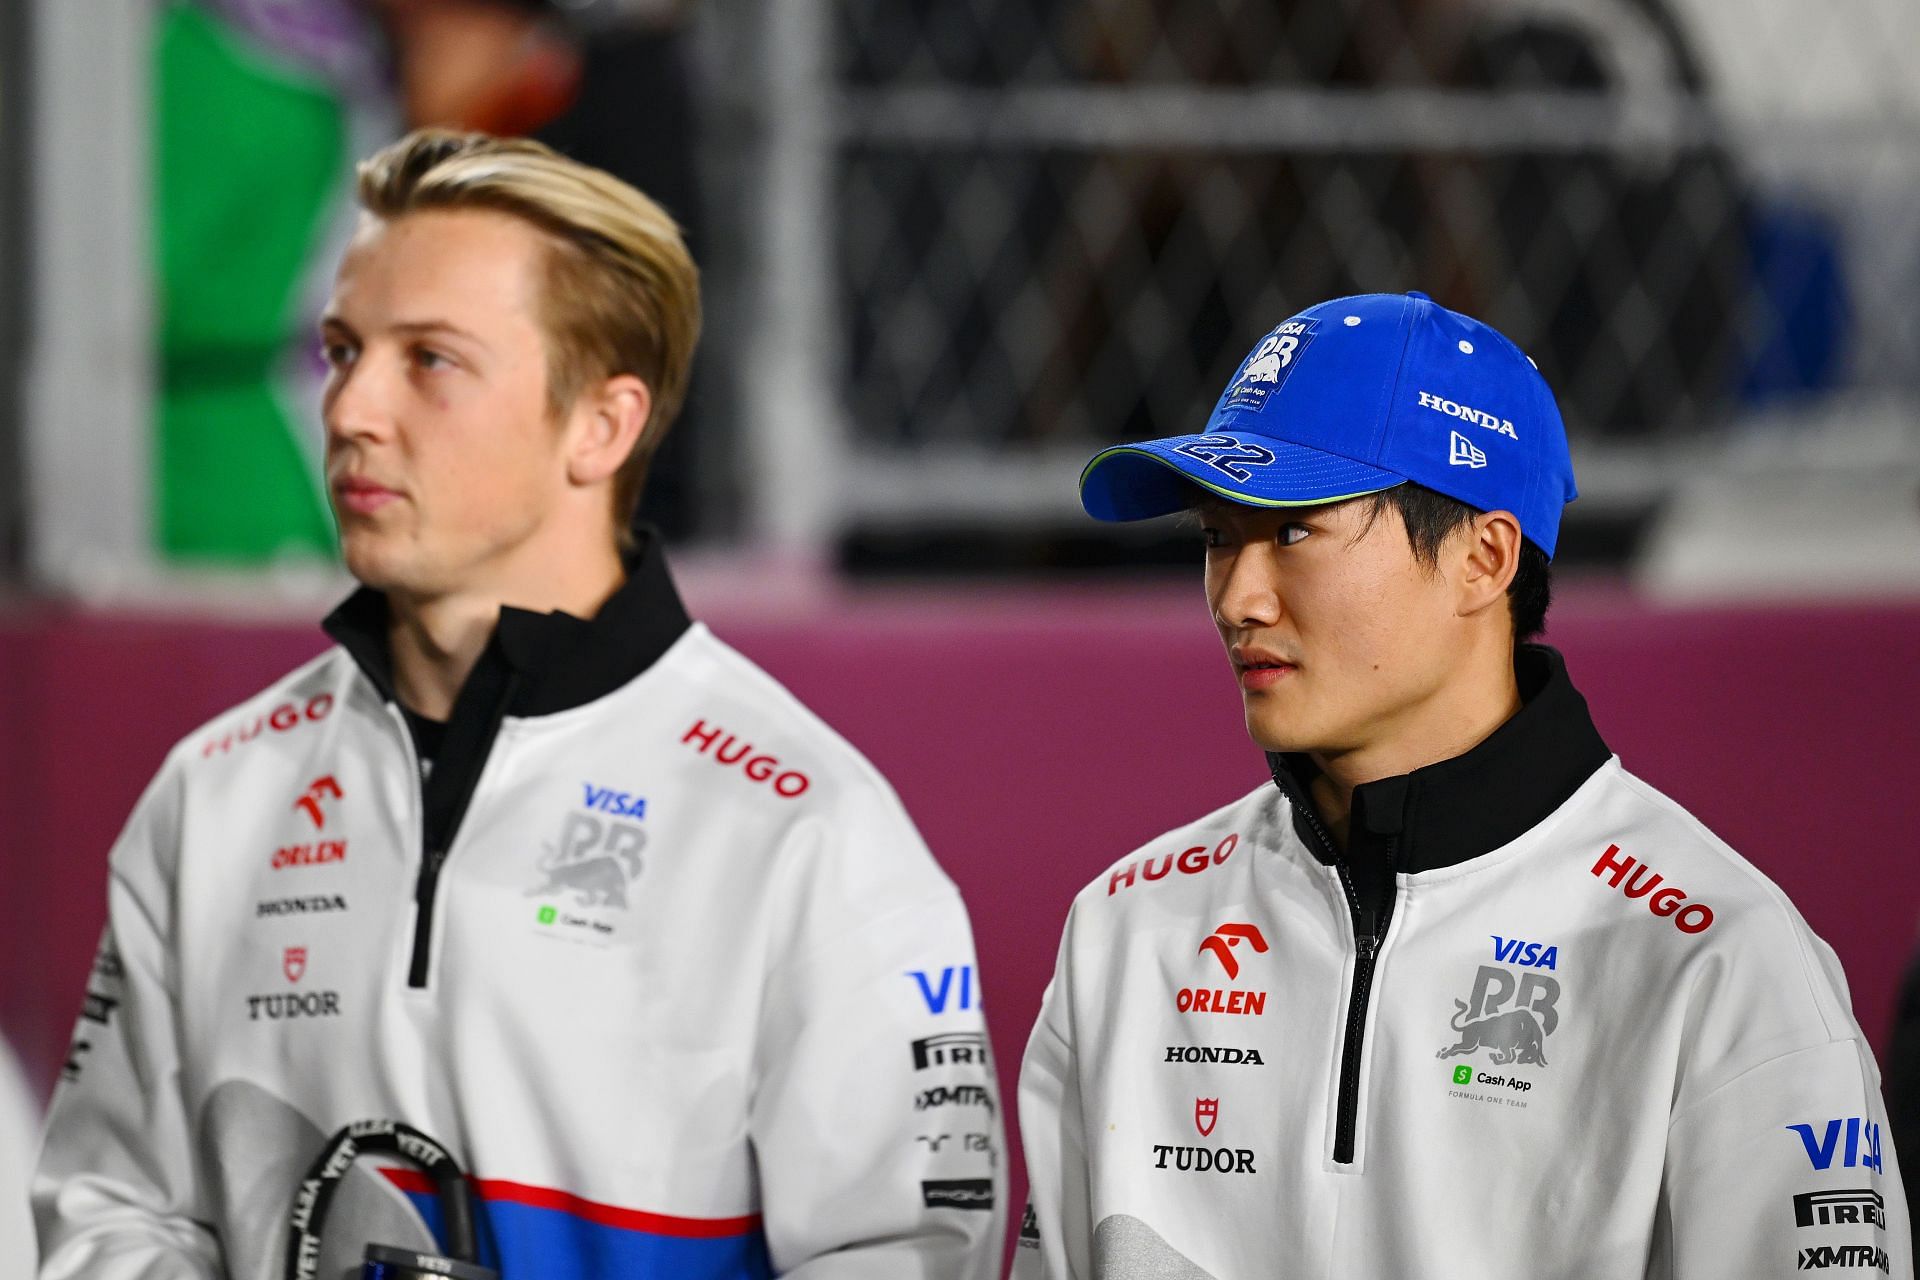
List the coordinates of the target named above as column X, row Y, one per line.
column 1509, row 1018
column 595, row 861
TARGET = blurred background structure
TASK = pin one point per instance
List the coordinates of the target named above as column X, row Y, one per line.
column 951, row 247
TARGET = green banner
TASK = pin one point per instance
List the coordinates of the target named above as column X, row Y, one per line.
column 250, row 169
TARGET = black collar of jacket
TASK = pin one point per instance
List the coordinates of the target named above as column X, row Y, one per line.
column 553, row 660
column 1458, row 809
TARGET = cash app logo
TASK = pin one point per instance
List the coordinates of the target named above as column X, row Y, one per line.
column 547, row 915
column 1461, row 1075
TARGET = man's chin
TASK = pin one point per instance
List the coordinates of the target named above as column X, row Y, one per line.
column 1270, row 736
column 375, row 565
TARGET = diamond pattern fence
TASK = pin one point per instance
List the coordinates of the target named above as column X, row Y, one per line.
column 1061, row 222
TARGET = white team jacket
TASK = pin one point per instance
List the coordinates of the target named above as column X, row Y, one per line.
column 701, row 1003
column 1606, row 1047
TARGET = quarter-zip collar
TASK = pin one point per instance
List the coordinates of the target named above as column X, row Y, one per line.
column 1448, row 812
column 534, row 664
column 560, row 661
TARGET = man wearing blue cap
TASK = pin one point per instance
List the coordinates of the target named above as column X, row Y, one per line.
column 1458, row 993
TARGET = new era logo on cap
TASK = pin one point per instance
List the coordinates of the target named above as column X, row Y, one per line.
column 1465, row 454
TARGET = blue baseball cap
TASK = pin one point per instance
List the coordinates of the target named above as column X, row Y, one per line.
column 1354, row 396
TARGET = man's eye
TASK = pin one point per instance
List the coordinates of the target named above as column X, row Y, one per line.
column 336, row 354
column 1292, row 533
column 429, row 359
column 1210, row 537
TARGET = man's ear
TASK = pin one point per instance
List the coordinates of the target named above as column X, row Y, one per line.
column 606, row 424
column 1486, row 559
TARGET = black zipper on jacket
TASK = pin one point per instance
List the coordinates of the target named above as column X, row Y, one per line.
column 448, row 789
column 1369, row 931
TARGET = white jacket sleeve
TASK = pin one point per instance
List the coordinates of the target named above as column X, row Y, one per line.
column 875, row 1120
column 1787, row 1167
column 115, row 1195
column 1056, row 1234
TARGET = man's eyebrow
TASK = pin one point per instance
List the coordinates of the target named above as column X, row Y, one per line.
column 436, row 326
column 412, row 328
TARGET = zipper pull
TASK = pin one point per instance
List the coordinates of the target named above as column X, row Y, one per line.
column 1365, row 935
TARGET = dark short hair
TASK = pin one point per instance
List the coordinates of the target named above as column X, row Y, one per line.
column 1432, row 517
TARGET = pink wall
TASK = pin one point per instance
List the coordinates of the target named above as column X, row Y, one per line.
column 1038, row 736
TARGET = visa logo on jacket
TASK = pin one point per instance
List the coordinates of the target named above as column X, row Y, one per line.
column 1861, row 1147
column 1528, row 955
column 949, row 992
column 621, row 804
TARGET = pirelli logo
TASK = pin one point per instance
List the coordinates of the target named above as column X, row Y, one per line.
column 955, row 1049
column 1864, row 1207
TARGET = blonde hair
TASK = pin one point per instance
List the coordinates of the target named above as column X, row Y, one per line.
column 621, row 294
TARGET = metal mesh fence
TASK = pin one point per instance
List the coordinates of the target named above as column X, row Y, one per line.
column 1064, row 220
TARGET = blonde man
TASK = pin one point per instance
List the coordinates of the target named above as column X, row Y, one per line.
column 528, row 863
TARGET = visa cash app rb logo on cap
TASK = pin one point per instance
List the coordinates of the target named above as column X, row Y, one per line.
column 1267, row 368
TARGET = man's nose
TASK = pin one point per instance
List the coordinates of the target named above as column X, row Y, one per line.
column 1249, row 593
column 358, row 403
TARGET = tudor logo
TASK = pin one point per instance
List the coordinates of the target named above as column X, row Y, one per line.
column 1206, row 1114
column 293, row 963
column 1228, row 936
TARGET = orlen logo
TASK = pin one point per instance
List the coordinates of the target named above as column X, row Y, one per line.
column 288, row 715
column 1190, row 862
column 1223, row 940
column 320, row 789
column 1642, row 881
column 309, row 855
column 787, row 783
column 1221, row 943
